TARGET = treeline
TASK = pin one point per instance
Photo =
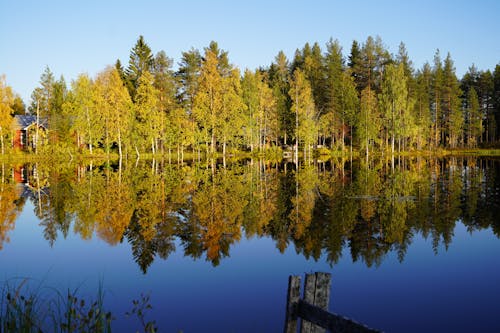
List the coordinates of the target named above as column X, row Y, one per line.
column 372, row 100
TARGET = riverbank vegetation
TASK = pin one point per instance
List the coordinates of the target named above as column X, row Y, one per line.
column 30, row 307
column 370, row 101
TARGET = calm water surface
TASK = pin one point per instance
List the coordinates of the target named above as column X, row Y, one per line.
column 412, row 246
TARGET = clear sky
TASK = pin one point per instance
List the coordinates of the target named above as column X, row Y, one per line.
column 72, row 37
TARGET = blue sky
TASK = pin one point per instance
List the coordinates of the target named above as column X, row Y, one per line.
column 73, row 37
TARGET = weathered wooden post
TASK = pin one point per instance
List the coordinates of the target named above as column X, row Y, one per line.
column 317, row 293
column 292, row 304
column 313, row 308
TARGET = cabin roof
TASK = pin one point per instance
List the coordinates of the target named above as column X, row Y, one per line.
column 24, row 121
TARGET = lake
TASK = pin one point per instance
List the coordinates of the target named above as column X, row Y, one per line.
column 412, row 244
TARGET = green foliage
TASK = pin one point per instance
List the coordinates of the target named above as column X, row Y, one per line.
column 206, row 107
column 279, row 78
column 148, row 116
column 368, row 122
column 474, row 119
column 305, row 113
column 393, row 101
column 140, row 61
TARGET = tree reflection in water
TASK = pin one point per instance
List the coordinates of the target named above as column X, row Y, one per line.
column 320, row 207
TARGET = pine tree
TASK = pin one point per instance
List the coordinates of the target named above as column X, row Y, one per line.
column 18, row 106
column 189, row 70
column 140, row 61
column 437, row 88
column 486, row 93
column 314, row 70
column 279, row 78
column 42, row 95
column 59, row 125
column 496, row 99
column 332, row 117
column 451, row 110
column 349, row 104
column 474, row 118
column 422, row 110
column 187, row 76
column 369, row 65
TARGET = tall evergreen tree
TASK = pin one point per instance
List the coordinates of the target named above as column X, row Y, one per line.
column 187, row 77
column 332, row 116
column 279, row 78
column 474, row 121
column 59, row 124
column 18, row 106
column 451, row 105
column 42, row 95
column 496, row 99
column 486, row 92
column 422, row 110
column 140, row 61
column 314, row 70
column 349, row 104
column 437, row 89
column 369, row 66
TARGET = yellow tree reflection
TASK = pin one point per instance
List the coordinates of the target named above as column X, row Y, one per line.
column 218, row 208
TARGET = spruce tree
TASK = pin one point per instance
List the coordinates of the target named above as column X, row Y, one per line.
column 474, row 124
column 140, row 61
column 451, row 105
column 279, row 78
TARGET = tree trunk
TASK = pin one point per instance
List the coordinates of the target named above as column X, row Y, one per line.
column 120, row 145
column 224, row 146
column 1, row 139
column 90, row 130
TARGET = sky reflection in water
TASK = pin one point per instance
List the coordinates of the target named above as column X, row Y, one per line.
column 423, row 264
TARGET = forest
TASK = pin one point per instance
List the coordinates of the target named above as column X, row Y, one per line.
column 371, row 101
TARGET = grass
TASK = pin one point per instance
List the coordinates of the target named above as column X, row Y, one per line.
column 46, row 310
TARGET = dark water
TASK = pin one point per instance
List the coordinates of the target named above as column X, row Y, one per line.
column 412, row 247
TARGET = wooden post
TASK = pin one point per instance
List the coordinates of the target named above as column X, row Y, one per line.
column 317, row 293
column 292, row 302
column 313, row 308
